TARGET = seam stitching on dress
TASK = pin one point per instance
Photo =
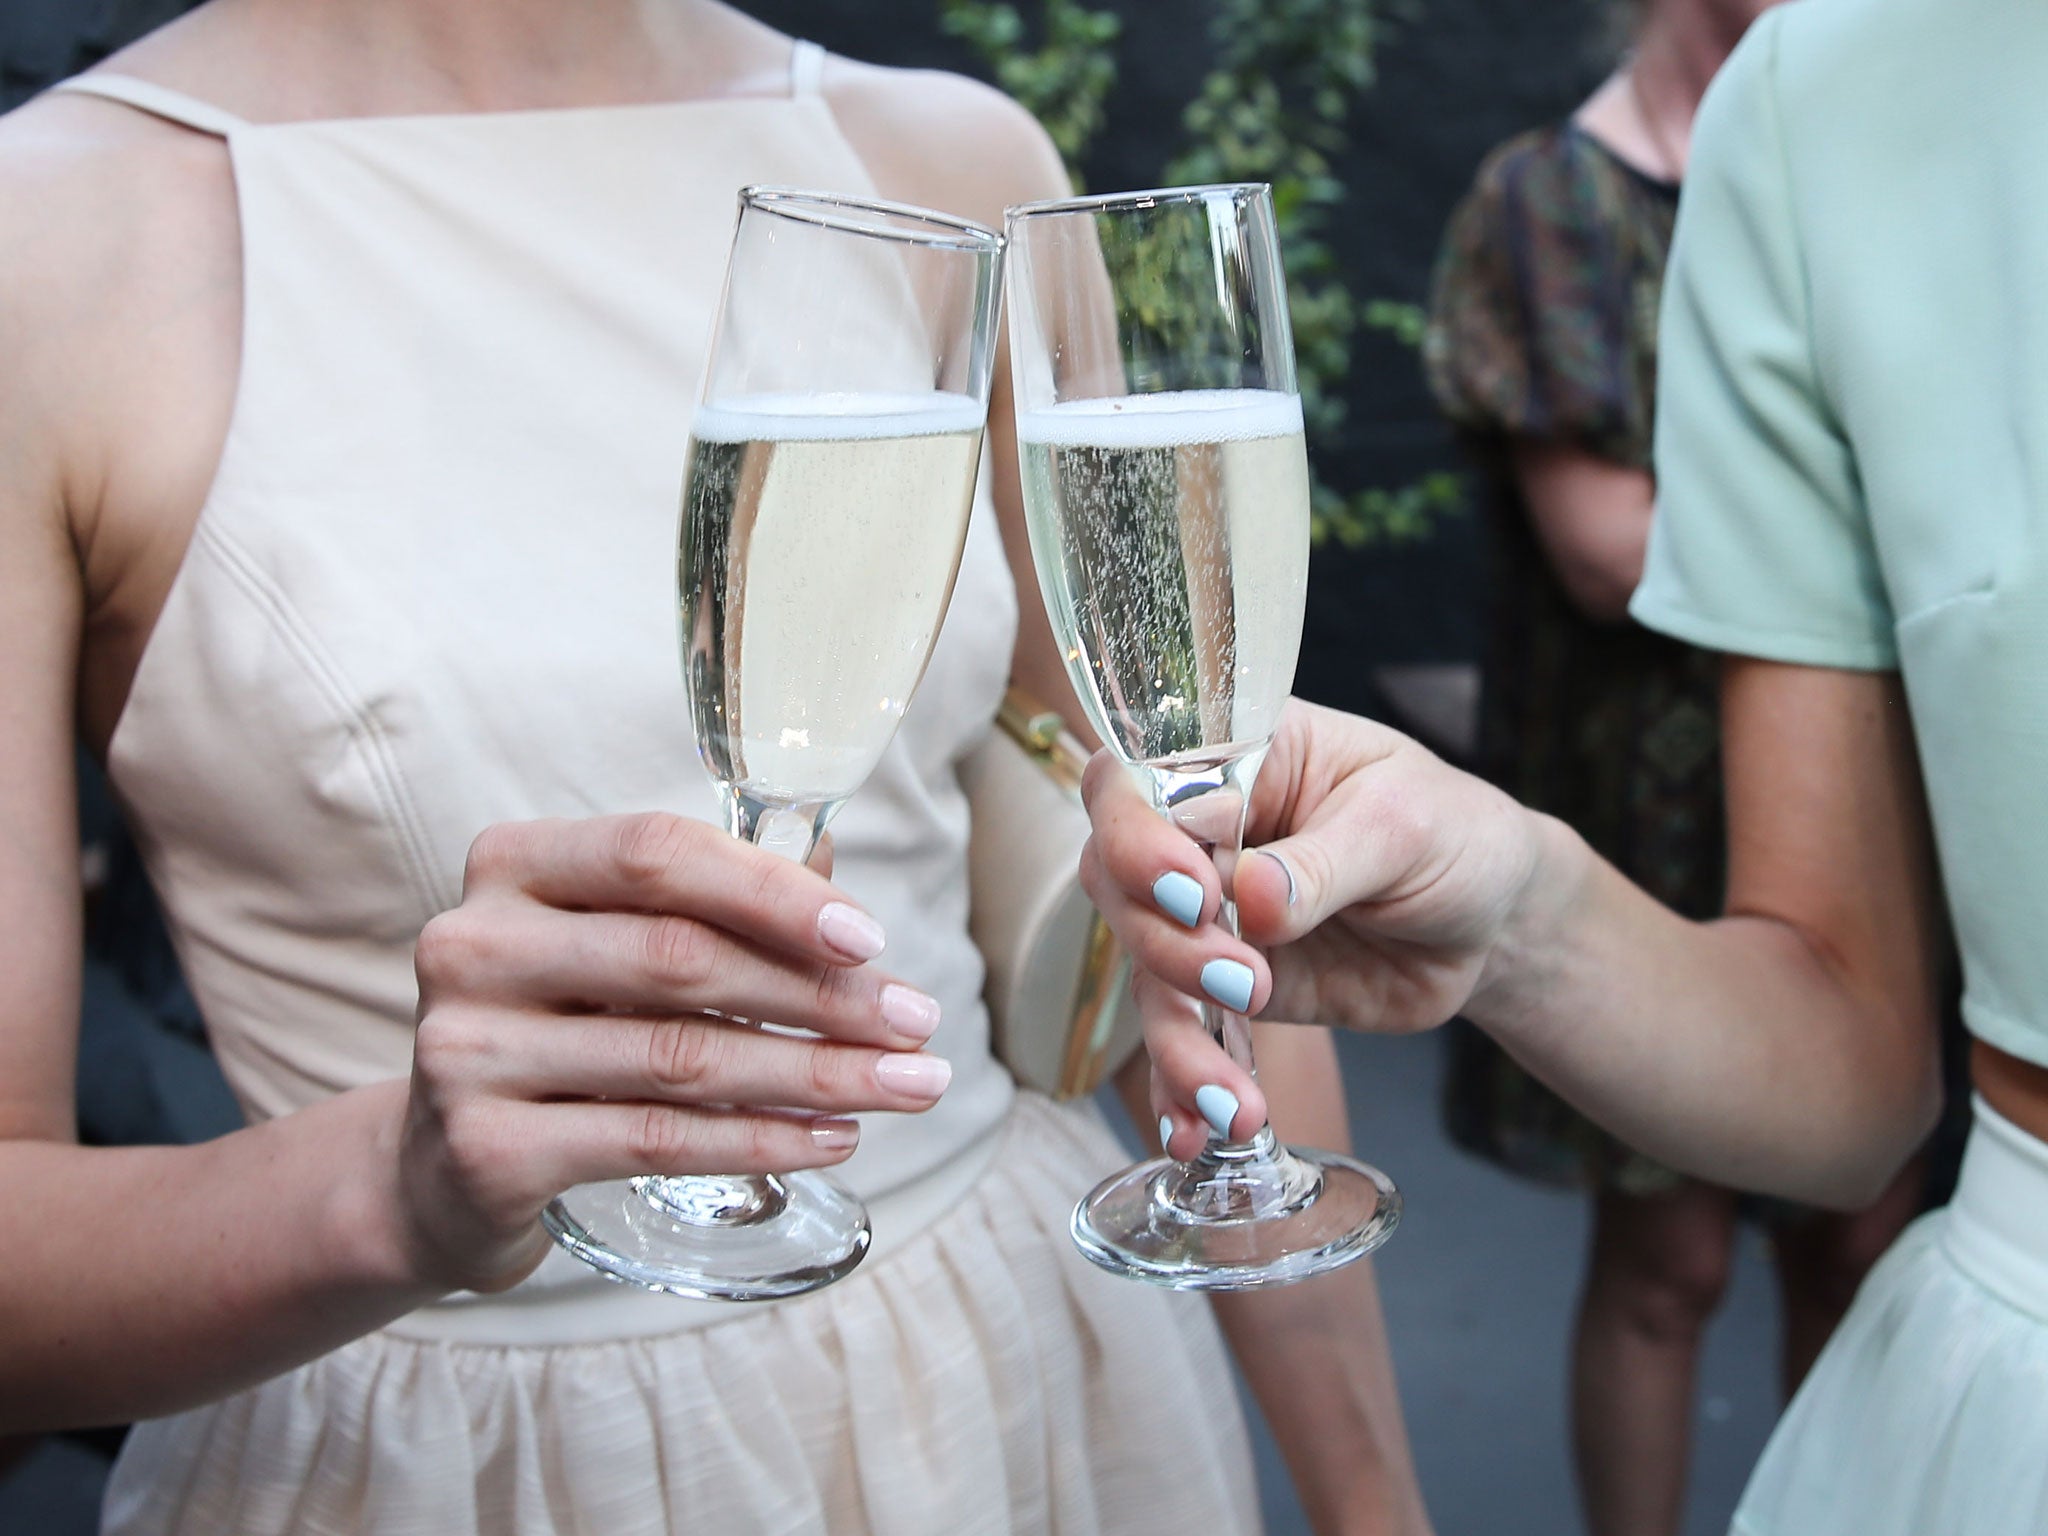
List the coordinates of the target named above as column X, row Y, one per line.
column 386, row 779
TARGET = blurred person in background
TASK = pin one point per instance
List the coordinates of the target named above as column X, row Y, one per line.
column 1542, row 350
column 290, row 272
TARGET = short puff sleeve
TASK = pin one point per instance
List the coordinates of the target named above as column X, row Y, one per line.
column 1528, row 320
column 1761, row 544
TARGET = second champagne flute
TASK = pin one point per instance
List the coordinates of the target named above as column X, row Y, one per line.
column 1166, row 486
column 831, row 476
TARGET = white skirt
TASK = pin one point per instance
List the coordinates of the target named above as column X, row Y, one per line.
column 979, row 1379
column 1927, row 1414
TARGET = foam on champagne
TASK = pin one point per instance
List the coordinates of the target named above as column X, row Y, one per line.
column 834, row 418
column 1171, row 419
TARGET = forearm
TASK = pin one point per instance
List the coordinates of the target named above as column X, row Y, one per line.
column 1315, row 1354
column 1738, row 1049
column 144, row 1280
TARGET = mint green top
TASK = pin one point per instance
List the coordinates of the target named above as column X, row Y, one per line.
column 1852, row 433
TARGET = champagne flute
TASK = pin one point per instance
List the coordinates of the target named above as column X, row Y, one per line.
column 1166, row 488
column 831, row 476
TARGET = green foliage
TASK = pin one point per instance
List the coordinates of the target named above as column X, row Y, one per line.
column 1274, row 107
column 1064, row 81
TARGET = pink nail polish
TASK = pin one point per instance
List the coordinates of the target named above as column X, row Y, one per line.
column 834, row 1135
column 909, row 1012
column 851, row 931
column 922, row 1077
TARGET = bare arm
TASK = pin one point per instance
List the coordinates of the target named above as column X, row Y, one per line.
column 1812, row 999
column 1316, row 1353
column 1787, row 1047
column 1592, row 517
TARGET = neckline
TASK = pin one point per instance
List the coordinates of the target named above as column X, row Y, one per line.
column 522, row 114
column 194, row 112
column 1574, row 129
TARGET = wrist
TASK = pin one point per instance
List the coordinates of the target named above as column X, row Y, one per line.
column 364, row 1232
column 1525, row 957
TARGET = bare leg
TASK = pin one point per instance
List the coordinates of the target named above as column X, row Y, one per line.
column 1823, row 1259
column 1659, row 1266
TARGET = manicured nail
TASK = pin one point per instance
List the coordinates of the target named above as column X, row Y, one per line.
column 1293, row 890
column 851, row 931
column 1229, row 982
column 1179, row 896
column 1165, row 1130
column 834, row 1135
column 1218, row 1106
column 921, row 1077
column 911, row 1013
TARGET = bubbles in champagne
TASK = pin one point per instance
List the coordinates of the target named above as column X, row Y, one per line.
column 1170, row 532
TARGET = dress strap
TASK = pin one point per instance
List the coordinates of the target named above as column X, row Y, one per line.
column 158, row 101
column 806, row 68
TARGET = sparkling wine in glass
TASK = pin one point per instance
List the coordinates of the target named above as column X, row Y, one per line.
column 1166, row 487
column 830, row 480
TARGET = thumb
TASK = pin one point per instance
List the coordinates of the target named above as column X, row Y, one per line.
column 1283, row 888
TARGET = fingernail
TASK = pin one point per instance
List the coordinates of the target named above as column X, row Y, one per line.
column 921, row 1077
column 911, row 1013
column 1229, row 982
column 851, row 931
column 1165, row 1130
column 834, row 1135
column 1293, row 890
column 1218, row 1106
column 1179, row 896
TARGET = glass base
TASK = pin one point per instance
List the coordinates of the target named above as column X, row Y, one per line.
column 1238, row 1217
column 715, row 1238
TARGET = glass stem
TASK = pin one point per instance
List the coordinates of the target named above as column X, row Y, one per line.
column 738, row 1199
column 1210, row 804
column 790, row 830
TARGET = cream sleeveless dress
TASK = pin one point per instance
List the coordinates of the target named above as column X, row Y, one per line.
column 430, row 590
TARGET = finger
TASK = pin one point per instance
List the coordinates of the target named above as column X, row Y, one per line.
column 587, row 1142
column 526, row 955
column 658, row 863
column 705, row 1062
column 1195, row 1083
column 1205, row 961
column 1141, row 851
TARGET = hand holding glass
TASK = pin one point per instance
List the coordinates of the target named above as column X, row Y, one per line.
column 831, row 475
column 1166, row 486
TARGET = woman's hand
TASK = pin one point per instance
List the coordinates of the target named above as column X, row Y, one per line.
column 583, row 1016
column 1381, row 887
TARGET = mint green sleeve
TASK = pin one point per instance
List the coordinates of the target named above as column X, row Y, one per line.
column 1761, row 544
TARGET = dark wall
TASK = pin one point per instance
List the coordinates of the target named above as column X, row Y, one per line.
column 1458, row 78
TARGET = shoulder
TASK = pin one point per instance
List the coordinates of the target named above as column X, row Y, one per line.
column 1823, row 72
column 943, row 140
column 111, row 215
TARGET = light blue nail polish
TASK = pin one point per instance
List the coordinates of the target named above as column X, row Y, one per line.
column 1165, row 1129
column 1218, row 1106
column 1179, row 897
column 1229, row 982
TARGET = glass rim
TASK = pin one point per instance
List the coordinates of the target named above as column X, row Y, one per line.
column 1116, row 202
column 905, row 222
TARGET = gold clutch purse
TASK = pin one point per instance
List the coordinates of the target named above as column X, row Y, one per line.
column 1058, row 988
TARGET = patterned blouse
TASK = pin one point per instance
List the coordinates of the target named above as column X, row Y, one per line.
column 1543, row 327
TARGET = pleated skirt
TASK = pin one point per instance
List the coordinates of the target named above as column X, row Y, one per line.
column 982, row 1379
column 1927, row 1413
